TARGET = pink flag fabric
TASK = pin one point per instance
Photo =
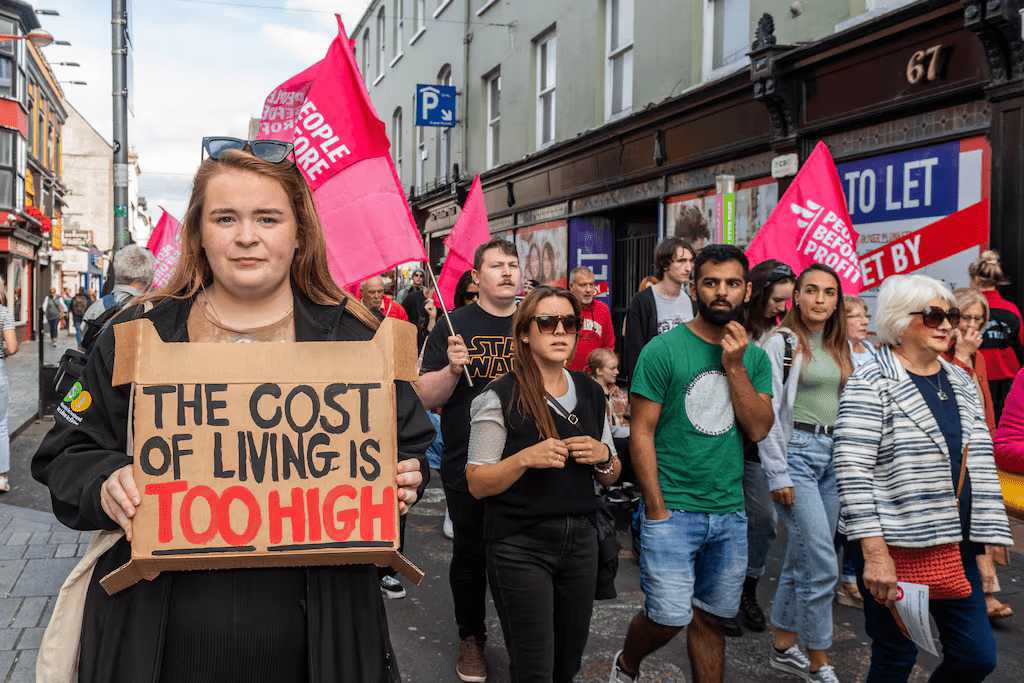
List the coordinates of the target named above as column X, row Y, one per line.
column 342, row 149
column 811, row 224
column 470, row 232
column 165, row 245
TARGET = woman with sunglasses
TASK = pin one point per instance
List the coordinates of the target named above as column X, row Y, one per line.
column 466, row 291
column 253, row 267
column 912, row 446
column 799, row 467
column 538, row 440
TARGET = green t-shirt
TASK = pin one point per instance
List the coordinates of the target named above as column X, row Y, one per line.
column 699, row 447
column 817, row 394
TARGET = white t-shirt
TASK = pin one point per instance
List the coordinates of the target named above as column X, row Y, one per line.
column 672, row 312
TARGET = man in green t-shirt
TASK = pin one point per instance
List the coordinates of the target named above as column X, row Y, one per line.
column 694, row 388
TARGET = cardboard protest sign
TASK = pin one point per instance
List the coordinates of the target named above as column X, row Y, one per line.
column 263, row 454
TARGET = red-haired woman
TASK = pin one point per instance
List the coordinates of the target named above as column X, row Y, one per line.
column 538, row 440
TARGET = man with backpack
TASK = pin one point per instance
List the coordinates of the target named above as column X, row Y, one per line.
column 51, row 314
column 133, row 275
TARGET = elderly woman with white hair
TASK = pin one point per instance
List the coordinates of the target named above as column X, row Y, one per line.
column 918, row 485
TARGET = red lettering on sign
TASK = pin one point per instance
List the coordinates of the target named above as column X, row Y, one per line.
column 164, row 493
column 313, row 502
column 347, row 518
column 295, row 512
column 187, row 530
column 252, row 527
column 384, row 511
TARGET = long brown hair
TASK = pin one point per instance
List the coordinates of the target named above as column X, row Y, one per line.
column 529, row 385
column 310, row 273
column 833, row 338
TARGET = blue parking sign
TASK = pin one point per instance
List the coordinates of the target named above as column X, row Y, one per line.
column 435, row 105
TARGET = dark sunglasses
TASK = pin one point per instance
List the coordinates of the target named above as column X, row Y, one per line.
column 274, row 151
column 549, row 323
column 471, row 296
column 933, row 316
column 779, row 273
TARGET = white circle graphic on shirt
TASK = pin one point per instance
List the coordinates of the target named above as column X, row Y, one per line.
column 708, row 404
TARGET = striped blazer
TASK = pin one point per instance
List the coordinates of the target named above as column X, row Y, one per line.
column 893, row 465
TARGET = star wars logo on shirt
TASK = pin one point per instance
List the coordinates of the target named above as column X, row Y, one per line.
column 489, row 356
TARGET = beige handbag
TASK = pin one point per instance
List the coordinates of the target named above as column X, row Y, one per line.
column 58, row 654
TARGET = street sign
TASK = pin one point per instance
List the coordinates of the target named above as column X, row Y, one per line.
column 435, row 105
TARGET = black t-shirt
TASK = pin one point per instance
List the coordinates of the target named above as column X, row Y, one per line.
column 489, row 341
column 413, row 305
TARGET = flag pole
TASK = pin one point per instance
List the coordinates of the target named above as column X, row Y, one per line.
column 447, row 318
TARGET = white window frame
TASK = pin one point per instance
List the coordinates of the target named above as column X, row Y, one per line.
column 366, row 53
column 382, row 43
column 398, row 29
column 486, row 5
column 396, row 141
column 708, row 68
column 444, row 138
column 492, row 81
column 546, row 46
column 421, row 156
column 611, row 56
column 441, row 5
column 419, row 9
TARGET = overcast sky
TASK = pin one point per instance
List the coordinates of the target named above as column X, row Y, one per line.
column 202, row 67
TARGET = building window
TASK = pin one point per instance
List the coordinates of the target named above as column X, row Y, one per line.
column 493, row 90
column 444, row 140
column 399, row 28
column 619, row 66
column 49, row 147
column 546, row 70
column 421, row 15
column 6, row 77
column 396, row 140
column 40, row 132
column 366, row 54
column 12, row 170
column 421, row 156
column 381, row 42
column 729, row 28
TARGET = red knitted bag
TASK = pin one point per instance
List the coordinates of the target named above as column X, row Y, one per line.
column 939, row 567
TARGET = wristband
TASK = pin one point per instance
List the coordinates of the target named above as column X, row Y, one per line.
column 608, row 466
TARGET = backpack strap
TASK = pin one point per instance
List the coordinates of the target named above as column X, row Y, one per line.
column 787, row 358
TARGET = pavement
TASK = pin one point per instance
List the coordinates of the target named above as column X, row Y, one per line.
column 37, row 553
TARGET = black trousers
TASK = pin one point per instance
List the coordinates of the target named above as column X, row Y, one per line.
column 543, row 580
column 468, row 571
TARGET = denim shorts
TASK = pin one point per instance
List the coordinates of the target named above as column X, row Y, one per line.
column 690, row 559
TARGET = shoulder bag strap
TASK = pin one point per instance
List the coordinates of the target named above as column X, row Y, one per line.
column 570, row 417
column 963, row 474
column 787, row 358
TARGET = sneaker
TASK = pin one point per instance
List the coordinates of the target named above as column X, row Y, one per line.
column 825, row 674
column 4, row 484
column 391, row 588
column 618, row 675
column 730, row 627
column 791, row 661
column 448, row 529
column 616, row 495
column 471, row 667
column 751, row 612
column 632, row 491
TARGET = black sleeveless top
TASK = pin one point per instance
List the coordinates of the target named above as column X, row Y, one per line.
column 544, row 493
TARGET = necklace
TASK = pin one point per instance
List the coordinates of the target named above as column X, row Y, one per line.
column 938, row 389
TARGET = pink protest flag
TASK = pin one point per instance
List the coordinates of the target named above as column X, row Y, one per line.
column 342, row 149
column 811, row 224
column 470, row 232
column 165, row 245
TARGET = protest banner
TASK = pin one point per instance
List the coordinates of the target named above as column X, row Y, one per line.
column 262, row 454
column 945, row 237
column 811, row 224
column 470, row 231
column 342, row 149
column 165, row 245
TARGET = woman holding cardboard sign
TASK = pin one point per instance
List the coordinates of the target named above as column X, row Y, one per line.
column 253, row 267
column 534, row 458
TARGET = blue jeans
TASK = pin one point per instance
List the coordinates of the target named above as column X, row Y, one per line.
column 692, row 558
column 761, row 517
column 968, row 646
column 803, row 600
column 543, row 580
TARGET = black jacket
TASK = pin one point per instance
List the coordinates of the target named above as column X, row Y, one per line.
column 122, row 635
column 641, row 327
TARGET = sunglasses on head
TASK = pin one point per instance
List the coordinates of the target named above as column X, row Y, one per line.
column 274, row 151
column 549, row 323
column 780, row 272
column 933, row 316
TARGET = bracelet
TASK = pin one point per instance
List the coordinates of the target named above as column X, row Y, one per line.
column 606, row 467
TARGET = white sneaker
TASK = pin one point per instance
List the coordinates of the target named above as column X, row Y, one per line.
column 825, row 674
column 391, row 588
column 448, row 529
column 792, row 661
column 618, row 675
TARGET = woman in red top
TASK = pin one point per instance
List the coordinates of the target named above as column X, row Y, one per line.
column 1002, row 336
